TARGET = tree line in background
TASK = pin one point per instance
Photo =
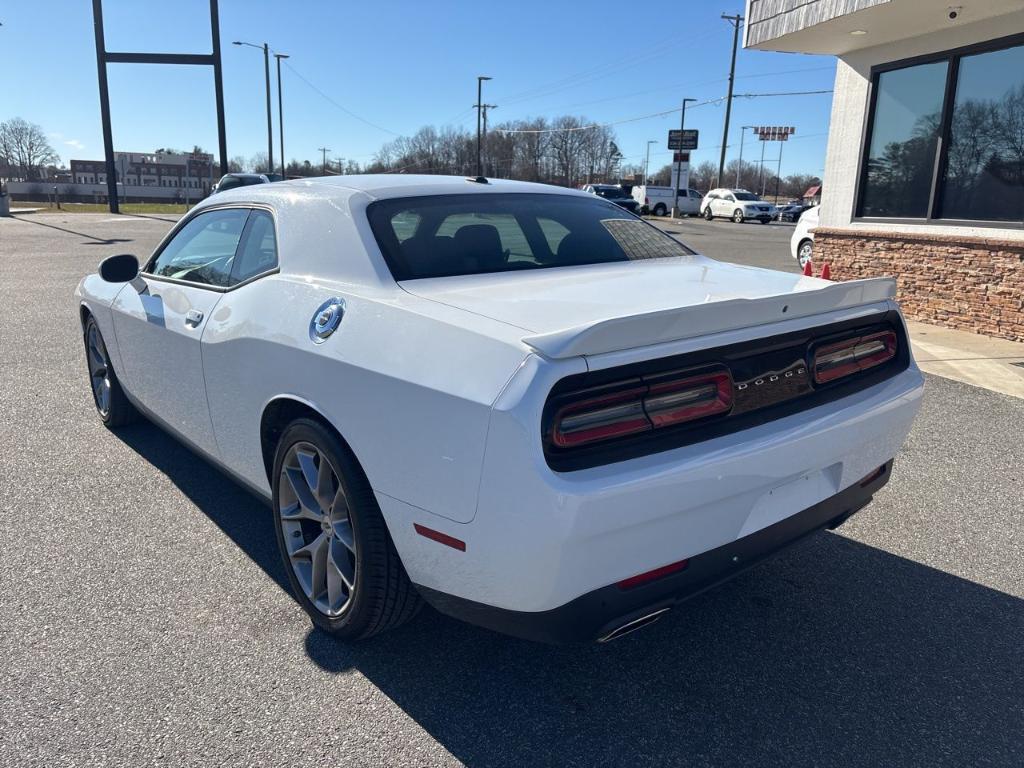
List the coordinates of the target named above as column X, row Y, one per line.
column 561, row 151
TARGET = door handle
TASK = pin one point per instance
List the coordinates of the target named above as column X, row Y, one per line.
column 193, row 318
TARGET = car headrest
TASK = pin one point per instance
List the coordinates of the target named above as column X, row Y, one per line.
column 479, row 246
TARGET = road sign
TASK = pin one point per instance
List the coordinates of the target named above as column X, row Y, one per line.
column 774, row 132
column 680, row 157
column 685, row 139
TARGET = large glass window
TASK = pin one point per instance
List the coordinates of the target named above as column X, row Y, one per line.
column 905, row 132
column 985, row 164
column 975, row 139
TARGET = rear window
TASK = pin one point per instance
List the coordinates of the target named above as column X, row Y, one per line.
column 467, row 234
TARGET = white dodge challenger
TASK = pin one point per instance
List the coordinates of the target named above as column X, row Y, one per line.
column 521, row 404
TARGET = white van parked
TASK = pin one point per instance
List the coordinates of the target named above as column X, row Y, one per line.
column 658, row 200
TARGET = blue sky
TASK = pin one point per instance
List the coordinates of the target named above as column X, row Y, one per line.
column 398, row 66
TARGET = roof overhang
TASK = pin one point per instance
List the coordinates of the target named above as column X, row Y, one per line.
column 823, row 26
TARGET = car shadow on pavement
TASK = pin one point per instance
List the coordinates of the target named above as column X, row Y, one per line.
column 833, row 653
column 243, row 517
column 90, row 239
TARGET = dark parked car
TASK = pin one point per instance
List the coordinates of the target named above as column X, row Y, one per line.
column 613, row 193
column 791, row 211
column 235, row 180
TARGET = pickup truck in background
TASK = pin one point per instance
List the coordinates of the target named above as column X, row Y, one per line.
column 658, row 200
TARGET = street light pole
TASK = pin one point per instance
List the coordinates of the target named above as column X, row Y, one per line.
column 739, row 165
column 479, row 116
column 280, row 108
column 647, row 160
column 679, row 163
column 270, row 127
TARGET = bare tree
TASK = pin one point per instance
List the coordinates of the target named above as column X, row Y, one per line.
column 24, row 148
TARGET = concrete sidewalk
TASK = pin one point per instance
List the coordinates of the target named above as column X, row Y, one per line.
column 994, row 364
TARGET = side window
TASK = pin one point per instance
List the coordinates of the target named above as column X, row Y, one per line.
column 730, row 198
column 258, row 251
column 553, row 232
column 404, row 224
column 203, row 250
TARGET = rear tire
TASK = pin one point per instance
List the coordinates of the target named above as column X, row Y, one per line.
column 660, row 209
column 341, row 562
column 708, row 215
column 805, row 252
column 112, row 405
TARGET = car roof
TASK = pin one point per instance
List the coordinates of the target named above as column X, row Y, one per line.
column 382, row 186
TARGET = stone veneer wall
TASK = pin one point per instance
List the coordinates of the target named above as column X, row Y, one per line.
column 973, row 284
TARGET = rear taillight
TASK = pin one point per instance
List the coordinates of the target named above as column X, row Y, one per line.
column 640, row 405
column 647, row 200
column 834, row 361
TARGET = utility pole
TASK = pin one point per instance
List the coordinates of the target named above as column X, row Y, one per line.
column 735, row 21
column 323, row 166
column 280, row 108
column 484, row 108
column 479, row 116
column 679, row 163
column 270, row 125
column 647, row 160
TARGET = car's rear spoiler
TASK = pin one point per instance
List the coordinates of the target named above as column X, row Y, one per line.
column 665, row 325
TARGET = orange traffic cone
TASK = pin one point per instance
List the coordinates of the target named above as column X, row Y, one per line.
column 826, row 273
column 808, row 270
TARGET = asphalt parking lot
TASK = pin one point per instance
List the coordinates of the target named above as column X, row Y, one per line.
column 146, row 618
column 752, row 243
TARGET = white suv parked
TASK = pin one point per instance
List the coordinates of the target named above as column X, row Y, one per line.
column 736, row 204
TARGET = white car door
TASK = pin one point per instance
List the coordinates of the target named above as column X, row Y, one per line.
column 725, row 205
column 160, row 317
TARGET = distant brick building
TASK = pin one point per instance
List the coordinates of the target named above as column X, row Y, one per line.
column 925, row 166
column 163, row 170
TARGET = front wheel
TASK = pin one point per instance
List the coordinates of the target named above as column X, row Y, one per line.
column 660, row 209
column 737, row 216
column 708, row 215
column 111, row 403
column 765, row 221
column 339, row 557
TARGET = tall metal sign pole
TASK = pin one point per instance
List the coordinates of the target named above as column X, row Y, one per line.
column 679, row 162
column 781, row 134
column 735, row 21
column 104, row 57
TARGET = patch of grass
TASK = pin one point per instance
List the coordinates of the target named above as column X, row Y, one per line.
column 104, row 208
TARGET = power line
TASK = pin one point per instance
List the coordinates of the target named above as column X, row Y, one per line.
column 347, row 111
column 613, row 122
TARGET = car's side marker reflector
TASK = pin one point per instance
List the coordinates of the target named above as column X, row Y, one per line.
column 657, row 573
column 873, row 476
column 441, row 538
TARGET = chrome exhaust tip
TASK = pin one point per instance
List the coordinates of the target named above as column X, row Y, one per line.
column 632, row 626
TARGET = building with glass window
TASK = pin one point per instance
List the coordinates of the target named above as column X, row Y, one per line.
column 924, row 175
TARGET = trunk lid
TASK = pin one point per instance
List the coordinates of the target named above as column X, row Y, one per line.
column 593, row 309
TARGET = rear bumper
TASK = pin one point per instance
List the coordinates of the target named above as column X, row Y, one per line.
column 599, row 613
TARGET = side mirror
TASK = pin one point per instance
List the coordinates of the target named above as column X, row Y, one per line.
column 122, row 268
